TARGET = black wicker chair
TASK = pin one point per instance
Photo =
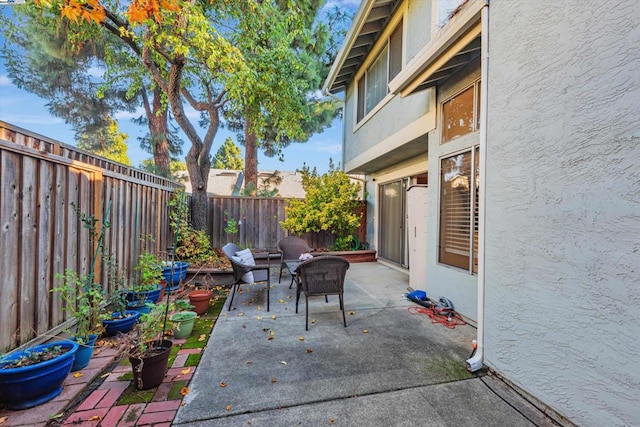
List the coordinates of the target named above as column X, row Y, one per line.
column 260, row 272
column 291, row 247
column 321, row 276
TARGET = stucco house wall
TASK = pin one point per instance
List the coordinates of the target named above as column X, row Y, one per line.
column 563, row 205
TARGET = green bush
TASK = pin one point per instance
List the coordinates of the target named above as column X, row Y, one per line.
column 330, row 204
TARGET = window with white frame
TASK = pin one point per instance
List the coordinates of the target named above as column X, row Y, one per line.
column 373, row 85
column 461, row 113
column 459, row 197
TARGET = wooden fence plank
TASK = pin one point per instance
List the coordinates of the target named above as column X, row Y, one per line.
column 10, row 233
column 28, row 252
column 45, row 253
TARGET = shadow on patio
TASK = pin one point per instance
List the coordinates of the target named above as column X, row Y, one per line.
column 387, row 367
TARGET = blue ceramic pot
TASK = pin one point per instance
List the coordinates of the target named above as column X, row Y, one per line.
column 115, row 326
column 144, row 296
column 28, row 386
column 84, row 353
column 175, row 275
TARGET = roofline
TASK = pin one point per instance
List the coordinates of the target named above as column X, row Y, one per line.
column 347, row 44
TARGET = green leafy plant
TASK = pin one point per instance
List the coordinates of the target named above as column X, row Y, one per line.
column 149, row 268
column 231, row 224
column 148, row 331
column 330, row 204
column 82, row 297
column 84, row 302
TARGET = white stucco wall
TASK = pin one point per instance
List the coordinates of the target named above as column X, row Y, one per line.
column 563, row 205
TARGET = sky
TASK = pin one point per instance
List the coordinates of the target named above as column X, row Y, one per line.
column 28, row 111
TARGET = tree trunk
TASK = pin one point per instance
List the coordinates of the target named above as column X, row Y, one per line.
column 158, row 128
column 250, row 159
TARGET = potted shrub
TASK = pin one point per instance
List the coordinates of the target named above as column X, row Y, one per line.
column 200, row 299
column 84, row 300
column 183, row 319
column 148, row 350
column 34, row 375
column 120, row 320
column 147, row 287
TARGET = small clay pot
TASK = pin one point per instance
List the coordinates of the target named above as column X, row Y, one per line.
column 200, row 300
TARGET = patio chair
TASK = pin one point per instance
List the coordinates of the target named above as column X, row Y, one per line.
column 322, row 276
column 291, row 247
column 245, row 269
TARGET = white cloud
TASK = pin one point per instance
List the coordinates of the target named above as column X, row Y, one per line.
column 4, row 80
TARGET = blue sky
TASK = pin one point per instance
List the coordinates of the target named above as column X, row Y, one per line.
column 28, row 111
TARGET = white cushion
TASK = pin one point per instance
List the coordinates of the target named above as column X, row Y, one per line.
column 246, row 257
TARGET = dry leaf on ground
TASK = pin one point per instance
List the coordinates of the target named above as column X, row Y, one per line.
column 78, row 375
column 223, row 384
column 184, row 391
column 185, row 371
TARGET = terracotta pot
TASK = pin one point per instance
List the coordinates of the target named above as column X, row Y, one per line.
column 200, row 300
column 148, row 372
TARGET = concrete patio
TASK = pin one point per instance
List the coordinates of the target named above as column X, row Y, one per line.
column 388, row 367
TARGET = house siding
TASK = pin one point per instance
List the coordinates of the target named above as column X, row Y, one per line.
column 562, row 304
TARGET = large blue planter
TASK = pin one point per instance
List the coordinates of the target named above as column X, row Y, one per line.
column 84, row 353
column 144, row 296
column 29, row 386
column 115, row 326
column 175, row 275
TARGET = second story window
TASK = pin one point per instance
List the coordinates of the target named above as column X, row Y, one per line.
column 461, row 113
column 373, row 85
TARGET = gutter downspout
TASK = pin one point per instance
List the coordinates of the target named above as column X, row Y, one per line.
column 475, row 362
column 326, row 92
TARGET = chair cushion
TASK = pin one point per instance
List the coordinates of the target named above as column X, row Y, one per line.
column 246, row 257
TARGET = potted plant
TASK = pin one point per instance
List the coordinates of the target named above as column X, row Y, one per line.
column 119, row 320
column 147, row 287
column 183, row 319
column 148, row 350
column 34, row 375
column 200, row 299
column 84, row 300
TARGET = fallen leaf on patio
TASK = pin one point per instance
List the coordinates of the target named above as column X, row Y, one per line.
column 105, row 375
column 331, row 420
column 281, row 301
column 284, row 363
column 309, row 350
column 3, row 420
column 270, row 337
column 265, row 329
column 289, row 296
column 78, row 375
column 97, row 350
column 184, row 391
column 351, row 313
column 272, row 333
column 260, row 307
column 274, row 380
column 202, row 337
column 244, row 326
column 364, row 331
column 95, row 418
column 250, row 303
column 223, row 384
column 250, row 362
column 259, row 317
column 240, row 314
column 185, row 371
column 313, row 321
column 273, row 316
column 301, row 338
column 229, row 407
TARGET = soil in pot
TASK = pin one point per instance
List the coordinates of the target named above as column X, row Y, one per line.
column 27, row 386
column 148, row 372
column 183, row 324
column 200, row 300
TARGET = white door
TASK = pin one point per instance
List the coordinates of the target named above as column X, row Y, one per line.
column 417, row 235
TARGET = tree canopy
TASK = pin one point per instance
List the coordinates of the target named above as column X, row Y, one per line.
column 228, row 156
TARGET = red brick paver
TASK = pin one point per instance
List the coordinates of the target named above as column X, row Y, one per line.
column 156, row 417
column 87, row 418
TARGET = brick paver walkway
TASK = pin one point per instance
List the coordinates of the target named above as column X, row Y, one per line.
column 99, row 408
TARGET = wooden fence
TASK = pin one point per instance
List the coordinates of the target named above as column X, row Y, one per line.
column 259, row 223
column 41, row 236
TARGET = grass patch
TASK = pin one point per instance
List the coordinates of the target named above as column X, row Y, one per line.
column 193, row 359
column 173, row 354
column 126, row 377
column 132, row 395
column 176, row 388
column 447, row 369
column 204, row 325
